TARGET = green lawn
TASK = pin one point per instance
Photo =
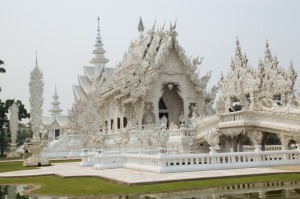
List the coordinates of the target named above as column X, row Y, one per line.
column 51, row 185
column 4, row 158
column 18, row 165
column 13, row 166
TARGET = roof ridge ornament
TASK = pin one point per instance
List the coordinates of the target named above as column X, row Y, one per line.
column 238, row 48
column 141, row 25
column 154, row 25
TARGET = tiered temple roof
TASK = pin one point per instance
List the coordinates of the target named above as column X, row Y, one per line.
column 140, row 66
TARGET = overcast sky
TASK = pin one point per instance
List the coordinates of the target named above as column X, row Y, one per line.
column 64, row 33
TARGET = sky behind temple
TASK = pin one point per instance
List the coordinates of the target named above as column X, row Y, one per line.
column 64, row 34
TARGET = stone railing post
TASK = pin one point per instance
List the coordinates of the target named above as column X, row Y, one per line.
column 258, row 151
column 84, row 157
column 212, row 154
column 257, row 148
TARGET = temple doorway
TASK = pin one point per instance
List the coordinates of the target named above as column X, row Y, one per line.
column 170, row 104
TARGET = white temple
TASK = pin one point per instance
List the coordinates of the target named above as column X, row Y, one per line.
column 154, row 112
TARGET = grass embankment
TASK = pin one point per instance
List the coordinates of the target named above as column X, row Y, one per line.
column 52, row 185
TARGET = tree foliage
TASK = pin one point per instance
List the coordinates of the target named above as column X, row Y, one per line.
column 2, row 70
column 24, row 132
column 4, row 121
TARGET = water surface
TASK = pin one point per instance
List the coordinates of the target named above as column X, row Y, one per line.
column 271, row 190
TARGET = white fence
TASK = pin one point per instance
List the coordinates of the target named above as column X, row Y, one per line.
column 162, row 163
column 248, row 148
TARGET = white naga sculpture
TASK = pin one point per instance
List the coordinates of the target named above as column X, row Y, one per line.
column 13, row 125
column 36, row 89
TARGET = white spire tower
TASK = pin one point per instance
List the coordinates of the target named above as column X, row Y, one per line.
column 99, row 60
column 13, row 122
column 36, row 90
column 55, row 110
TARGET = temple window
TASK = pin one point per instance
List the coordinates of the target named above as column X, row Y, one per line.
column 119, row 123
column 124, row 122
column 56, row 133
column 106, row 126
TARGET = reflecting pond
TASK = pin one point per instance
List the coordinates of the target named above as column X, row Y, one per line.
column 270, row 190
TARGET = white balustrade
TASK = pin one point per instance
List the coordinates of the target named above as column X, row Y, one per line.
column 273, row 147
column 192, row 162
column 182, row 132
column 233, row 116
column 248, row 148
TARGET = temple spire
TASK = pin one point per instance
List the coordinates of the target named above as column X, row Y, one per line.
column 55, row 110
column 141, row 26
column 99, row 59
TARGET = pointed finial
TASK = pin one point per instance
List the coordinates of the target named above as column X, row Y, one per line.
column 267, row 43
column 237, row 40
column 141, row 25
column 98, row 24
column 55, row 91
column 36, row 59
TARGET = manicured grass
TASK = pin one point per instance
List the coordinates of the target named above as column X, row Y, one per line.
column 66, row 160
column 52, row 185
column 13, row 166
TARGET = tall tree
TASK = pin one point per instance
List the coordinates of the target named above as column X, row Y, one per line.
column 4, row 122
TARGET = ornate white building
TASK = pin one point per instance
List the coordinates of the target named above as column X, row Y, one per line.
column 154, row 112
column 56, row 131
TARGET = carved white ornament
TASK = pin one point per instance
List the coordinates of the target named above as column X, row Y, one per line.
column 162, row 136
column 212, row 138
column 85, row 117
column 258, row 89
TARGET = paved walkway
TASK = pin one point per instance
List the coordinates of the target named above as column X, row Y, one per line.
column 129, row 176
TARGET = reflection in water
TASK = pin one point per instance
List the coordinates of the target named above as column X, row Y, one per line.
column 13, row 191
column 270, row 190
